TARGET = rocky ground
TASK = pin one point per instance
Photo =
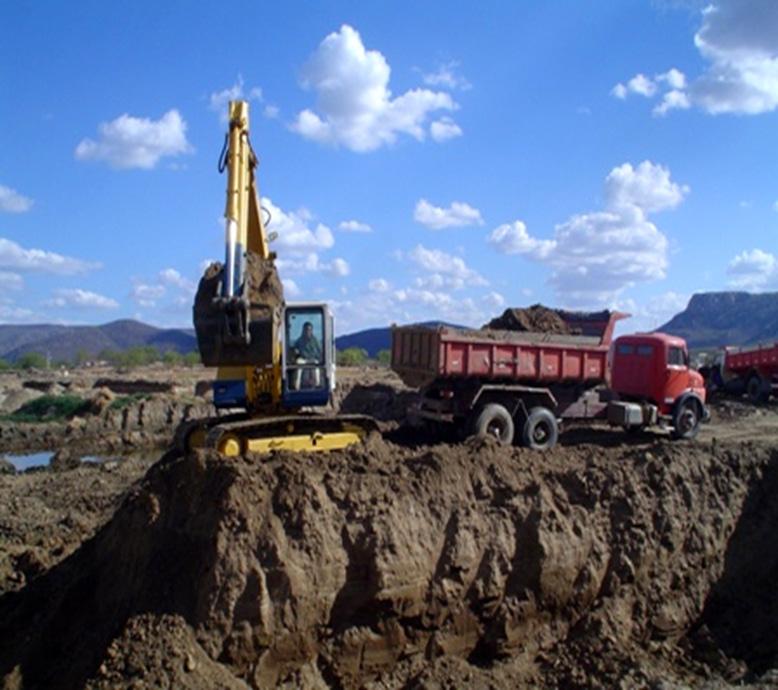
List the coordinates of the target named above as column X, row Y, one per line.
column 611, row 561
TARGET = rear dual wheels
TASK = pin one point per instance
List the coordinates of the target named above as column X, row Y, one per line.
column 537, row 430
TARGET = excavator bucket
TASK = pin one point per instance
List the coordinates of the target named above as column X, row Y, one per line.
column 240, row 330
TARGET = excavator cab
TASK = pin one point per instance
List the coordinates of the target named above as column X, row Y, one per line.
column 307, row 361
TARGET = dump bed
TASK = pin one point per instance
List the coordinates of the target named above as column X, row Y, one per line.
column 420, row 354
column 763, row 358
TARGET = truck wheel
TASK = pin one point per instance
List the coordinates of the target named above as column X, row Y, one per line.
column 540, row 429
column 494, row 420
column 756, row 389
column 686, row 420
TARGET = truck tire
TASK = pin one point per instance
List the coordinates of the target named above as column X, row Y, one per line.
column 540, row 430
column 756, row 389
column 495, row 421
column 686, row 420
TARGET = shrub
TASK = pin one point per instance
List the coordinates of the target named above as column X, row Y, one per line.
column 49, row 408
column 351, row 357
column 384, row 357
column 32, row 360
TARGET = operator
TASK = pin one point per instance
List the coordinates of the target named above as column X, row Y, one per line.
column 307, row 350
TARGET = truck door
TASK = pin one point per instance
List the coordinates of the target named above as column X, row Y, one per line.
column 677, row 373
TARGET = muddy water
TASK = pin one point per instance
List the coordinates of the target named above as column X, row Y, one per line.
column 39, row 460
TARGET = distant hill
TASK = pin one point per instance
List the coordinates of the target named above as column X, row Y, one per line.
column 373, row 340
column 65, row 342
column 714, row 319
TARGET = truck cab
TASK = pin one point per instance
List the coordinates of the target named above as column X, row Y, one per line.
column 651, row 377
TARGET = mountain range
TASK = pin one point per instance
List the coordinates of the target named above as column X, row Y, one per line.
column 715, row 319
column 710, row 320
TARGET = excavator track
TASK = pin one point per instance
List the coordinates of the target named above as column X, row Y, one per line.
column 239, row 434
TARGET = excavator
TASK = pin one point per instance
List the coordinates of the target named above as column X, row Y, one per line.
column 275, row 361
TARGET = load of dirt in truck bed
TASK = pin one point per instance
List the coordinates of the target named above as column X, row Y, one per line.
column 385, row 566
column 534, row 319
column 265, row 295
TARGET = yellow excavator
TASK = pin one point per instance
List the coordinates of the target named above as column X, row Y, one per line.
column 275, row 360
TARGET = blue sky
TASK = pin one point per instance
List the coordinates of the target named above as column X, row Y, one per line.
column 419, row 160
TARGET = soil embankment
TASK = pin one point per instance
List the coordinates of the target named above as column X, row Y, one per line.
column 386, row 566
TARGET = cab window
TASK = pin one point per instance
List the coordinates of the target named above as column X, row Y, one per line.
column 676, row 356
column 646, row 350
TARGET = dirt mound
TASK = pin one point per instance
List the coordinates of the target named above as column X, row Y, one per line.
column 375, row 565
column 265, row 296
column 534, row 319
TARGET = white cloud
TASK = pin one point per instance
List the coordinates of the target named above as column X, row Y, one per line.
column 379, row 285
column 595, row 256
column 446, row 76
column 513, row 238
column 170, row 276
column 647, row 187
column 13, row 202
column 355, row 105
column 16, row 258
column 459, row 214
column 291, row 289
column 80, row 299
column 452, row 268
column 147, row 295
column 354, row 226
column 219, row 100
column 445, row 129
column 672, row 100
column 134, row 142
column 271, row 112
column 339, row 268
column 619, row 91
column 11, row 281
column 642, row 85
column 294, row 234
column 754, row 270
column 493, row 300
column 739, row 42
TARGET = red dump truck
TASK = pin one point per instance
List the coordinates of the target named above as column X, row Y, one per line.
column 519, row 386
column 752, row 369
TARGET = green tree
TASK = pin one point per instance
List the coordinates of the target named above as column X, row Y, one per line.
column 4, row 365
column 384, row 357
column 82, row 357
column 351, row 357
column 191, row 359
column 32, row 360
column 172, row 358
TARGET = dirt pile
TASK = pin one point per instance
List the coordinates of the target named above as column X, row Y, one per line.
column 534, row 319
column 265, row 296
column 377, row 565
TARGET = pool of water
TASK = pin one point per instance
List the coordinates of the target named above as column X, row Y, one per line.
column 25, row 461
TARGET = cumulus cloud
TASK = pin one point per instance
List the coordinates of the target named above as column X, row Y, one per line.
column 295, row 236
column 445, row 129
column 446, row 76
column 170, row 276
column 11, row 281
column 354, row 226
column 459, row 214
column 80, row 299
column 513, row 238
column 379, row 285
column 13, row 202
column 354, row 103
column 595, row 256
column 739, row 42
column 311, row 263
column 291, row 289
column 14, row 257
column 754, row 270
column 170, row 284
column 445, row 269
column 136, row 142
column 219, row 100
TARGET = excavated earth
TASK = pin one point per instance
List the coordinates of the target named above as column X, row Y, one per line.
column 536, row 319
column 611, row 561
